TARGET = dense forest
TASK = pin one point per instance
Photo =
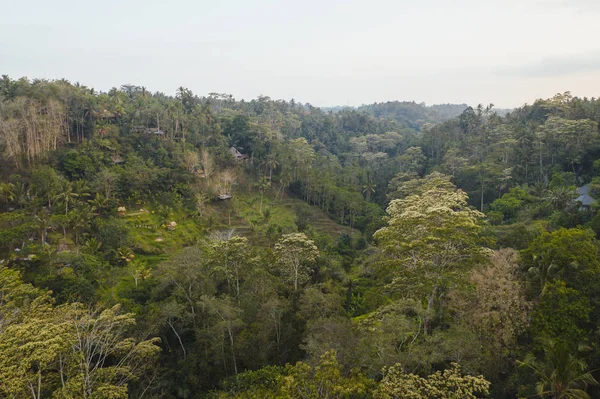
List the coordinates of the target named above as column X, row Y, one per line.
column 156, row 246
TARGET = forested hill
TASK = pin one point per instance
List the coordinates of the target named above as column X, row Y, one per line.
column 412, row 114
column 193, row 246
column 408, row 113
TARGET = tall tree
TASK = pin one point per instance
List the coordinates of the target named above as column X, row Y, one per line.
column 430, row 241
column 295, row 255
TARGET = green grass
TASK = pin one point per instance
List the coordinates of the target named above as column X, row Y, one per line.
column 242, row 214
column 151, row 237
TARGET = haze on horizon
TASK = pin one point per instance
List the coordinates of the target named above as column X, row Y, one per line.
column 333, row 52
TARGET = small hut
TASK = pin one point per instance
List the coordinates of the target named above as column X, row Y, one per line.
column 156, row 132
column 238, row 155
column 585, row 199
column 121, row 211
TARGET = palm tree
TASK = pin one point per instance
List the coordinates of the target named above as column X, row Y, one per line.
column 271, row 163
column 561, row 374
column 92, row 246
column 263, row 185
column 67, row 196
column 284, row 180
column 369, row 188
column 7, row 192
column 100, row 202
column 81, row 219
column 561, row 198
column 81, row 187
column 43, row 222
column 21, row 194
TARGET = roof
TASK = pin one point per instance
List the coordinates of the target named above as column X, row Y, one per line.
column 237, row 154
column 154, row 130
column 584, row 195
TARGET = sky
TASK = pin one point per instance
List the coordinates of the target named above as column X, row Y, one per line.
column 327, row 52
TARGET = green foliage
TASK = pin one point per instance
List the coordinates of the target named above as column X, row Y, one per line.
column 560, row 373
column 562, row 314
column 93, row 182
column 449, row 384
column 567, row 254
column 295, row 255
column 510, row 203
column 430, row 241
column 300, row 381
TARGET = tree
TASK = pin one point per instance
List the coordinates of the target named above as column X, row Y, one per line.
column 263, row 185
column 369, row 188
column 68, row 195
column 68, row 351
column 563, row 313
column 43, row 221
column 30, row 344
column 106, row 181
column 449, row 384
column 295, row 254
column 497, row 309
column 430, row 241
column 412, row 161
column 226, row 324
column 80, row 218
column 208, row 165
column 571, row 137
column 102, row 359
column 231, row 258
column 46, row 183
column 284, row 180
column 271, row 163
column 190, row 160
column 139, row 270
column 187, row 276
column 325, row 380
column 568, row 254
column 561, row 375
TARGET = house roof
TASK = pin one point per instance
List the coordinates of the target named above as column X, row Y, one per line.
column 584, row 195
column 237, row 154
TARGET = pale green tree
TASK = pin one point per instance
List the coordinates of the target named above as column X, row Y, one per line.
column 449, row 384
column 295, row 254
column 430, row 241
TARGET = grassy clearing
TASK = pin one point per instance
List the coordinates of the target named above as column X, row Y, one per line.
column 242, row 213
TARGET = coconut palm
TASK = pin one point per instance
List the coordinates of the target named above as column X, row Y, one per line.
column 369, row 188
column 7, row 193
column 81, row 218
column 284, row 180
column 263, row 185
column 271, row 163
column 67, row 196
column 43, row 221
column 561, row 198
column 561, row 374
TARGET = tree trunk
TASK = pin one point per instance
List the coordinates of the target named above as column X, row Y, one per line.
column 178, row 338
column 428, row 317
column 235, row 370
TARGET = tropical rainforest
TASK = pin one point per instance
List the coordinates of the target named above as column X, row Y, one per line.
column 156, row 246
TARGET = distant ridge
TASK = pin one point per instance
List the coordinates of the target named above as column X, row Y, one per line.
column 410, row 113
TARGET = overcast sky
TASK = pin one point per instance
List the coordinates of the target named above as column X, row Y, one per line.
column 326, row 52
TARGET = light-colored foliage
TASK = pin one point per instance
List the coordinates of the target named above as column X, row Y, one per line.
column 295, row 254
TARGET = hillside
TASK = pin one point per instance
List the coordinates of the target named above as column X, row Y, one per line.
column 197, row 246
